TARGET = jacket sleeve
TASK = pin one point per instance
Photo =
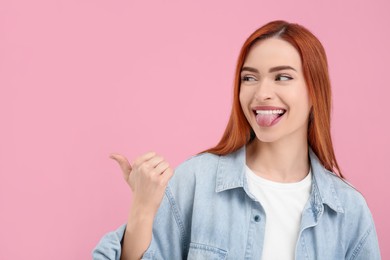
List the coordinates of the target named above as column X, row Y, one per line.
column 368, row 246
column 109, row 247
column 167, row 238
column 364, row 237
column 171, row 225
column 168, row 231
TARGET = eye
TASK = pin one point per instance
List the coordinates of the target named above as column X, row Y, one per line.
column 248, row 78
column 282, row 77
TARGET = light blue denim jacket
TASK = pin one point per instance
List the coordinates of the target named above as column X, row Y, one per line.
column 208, row 213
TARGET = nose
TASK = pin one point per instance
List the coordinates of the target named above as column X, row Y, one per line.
column 264, row 91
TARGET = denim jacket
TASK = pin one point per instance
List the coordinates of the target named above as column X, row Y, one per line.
column 208, row 213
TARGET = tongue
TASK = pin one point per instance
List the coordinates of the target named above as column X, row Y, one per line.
column 266, row 120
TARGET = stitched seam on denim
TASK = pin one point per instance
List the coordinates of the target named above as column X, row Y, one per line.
column 221, row 184
column 303, row 243
column 249, row 243
column 316, row 200
column 208, row 248
column 361, row 244
column 186, row 242
column 219, row 178
column 176, row 214
column 338, row 207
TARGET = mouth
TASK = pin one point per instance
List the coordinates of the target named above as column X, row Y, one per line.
column 277, row 112
column 269, row 117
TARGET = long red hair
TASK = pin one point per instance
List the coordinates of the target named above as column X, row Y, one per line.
column 315, row 69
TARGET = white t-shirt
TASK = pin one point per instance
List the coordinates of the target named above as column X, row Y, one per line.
column 283, row 204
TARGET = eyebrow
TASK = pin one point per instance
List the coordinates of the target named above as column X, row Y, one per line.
column 273, row 69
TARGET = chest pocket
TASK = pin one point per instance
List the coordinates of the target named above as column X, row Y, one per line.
column 205, row 252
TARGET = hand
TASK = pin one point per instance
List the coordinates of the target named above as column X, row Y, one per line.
column 147, row 177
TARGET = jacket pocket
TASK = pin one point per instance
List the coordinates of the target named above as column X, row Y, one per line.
column 203, row 252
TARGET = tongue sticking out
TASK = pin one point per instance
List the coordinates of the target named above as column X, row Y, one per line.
column 266, row 120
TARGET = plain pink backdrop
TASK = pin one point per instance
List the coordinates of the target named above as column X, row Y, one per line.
column 80, row 79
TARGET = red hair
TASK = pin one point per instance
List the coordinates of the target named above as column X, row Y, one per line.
column 315, row 70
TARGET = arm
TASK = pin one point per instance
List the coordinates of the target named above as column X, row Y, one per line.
column 138, row 233
column 148, row 178
column 168, row 236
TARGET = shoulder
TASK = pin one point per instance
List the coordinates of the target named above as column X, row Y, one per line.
column 196, row 174
column 196, row 161
column 360, row 232
column 191, row 179
column 357, row 217
column 199, row 165
column 351, row 199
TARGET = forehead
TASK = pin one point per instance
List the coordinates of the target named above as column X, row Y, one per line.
column 273, row 52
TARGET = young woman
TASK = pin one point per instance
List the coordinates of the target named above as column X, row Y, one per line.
column 270, row 189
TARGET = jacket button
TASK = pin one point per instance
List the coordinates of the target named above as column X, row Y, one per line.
column 257, row 218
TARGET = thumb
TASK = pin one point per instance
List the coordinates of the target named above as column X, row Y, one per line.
column 123, row 163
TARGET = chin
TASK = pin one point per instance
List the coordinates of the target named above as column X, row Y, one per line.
column 265, row 138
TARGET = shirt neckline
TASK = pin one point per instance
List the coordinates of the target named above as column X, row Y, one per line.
column 279, row 185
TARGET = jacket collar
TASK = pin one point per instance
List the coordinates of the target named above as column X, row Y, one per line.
column 231, row 174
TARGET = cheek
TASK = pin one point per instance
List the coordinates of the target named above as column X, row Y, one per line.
column 299, row 97
column 244, row 103
column 242, row 100
column 306, row 103
column 301, row 107
column 245, row 97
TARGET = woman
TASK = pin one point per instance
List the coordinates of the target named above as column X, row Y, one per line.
column 267, row 190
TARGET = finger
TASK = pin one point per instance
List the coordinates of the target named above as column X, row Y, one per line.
column 143, row 158
column 154, row 161
column 161, row 167
column 123, row 163
column 167, row 175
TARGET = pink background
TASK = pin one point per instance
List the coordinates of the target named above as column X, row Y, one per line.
column 80, row 79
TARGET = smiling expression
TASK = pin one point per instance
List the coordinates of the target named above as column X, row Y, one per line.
column 273, row 92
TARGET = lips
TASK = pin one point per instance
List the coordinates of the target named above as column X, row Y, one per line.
column 267, row 116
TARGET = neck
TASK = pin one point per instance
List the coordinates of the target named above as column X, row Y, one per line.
column 284, row 161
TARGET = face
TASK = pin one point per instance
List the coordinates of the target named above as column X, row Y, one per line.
column 273, row 93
